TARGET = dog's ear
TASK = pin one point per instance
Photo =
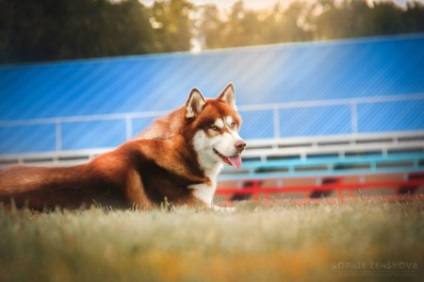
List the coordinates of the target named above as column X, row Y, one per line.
column 228, row 95
column 195, row 103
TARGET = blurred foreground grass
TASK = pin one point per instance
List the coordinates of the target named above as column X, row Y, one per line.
column 258, row 242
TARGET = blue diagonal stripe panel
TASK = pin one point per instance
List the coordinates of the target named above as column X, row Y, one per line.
column 391, row 116
column 313, row 121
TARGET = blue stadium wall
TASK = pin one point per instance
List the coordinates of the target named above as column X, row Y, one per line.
column 361, row 86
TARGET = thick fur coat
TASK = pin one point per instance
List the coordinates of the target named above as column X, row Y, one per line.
column 178, row 158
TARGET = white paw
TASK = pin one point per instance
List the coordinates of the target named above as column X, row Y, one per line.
column 223, row 209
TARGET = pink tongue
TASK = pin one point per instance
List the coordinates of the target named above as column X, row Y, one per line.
column 235, row 161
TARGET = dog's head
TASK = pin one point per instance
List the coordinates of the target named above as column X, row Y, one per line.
column 214, row 126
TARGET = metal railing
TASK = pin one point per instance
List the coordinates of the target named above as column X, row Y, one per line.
column 262, row 149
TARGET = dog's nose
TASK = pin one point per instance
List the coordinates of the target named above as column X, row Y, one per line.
column 240, row 145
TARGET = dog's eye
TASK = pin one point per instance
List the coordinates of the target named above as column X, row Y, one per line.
column 214, row 127
column 233, row 124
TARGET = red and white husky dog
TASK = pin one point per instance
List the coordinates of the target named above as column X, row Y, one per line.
column 178, row 158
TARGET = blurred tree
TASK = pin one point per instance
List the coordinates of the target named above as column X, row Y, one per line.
column 385, row 18
column 49, row 30
column 304, row 20
column 413, row 17
column 288, row 25
column 211, row 27
column 356, row 18
column 172, row 25
column 243, row 27
column 341, row 20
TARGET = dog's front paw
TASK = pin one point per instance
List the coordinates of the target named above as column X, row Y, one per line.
column 223, row 209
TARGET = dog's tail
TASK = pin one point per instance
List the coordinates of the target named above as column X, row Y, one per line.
column 42, row 187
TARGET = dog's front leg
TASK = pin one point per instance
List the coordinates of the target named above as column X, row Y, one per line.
column 135, row 193
column 222, row 209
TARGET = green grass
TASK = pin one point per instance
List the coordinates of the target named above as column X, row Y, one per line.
column 258, row 242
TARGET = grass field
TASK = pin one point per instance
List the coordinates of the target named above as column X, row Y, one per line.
column 360, row 240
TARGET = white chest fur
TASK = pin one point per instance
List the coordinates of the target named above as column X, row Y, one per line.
column 205, row 192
